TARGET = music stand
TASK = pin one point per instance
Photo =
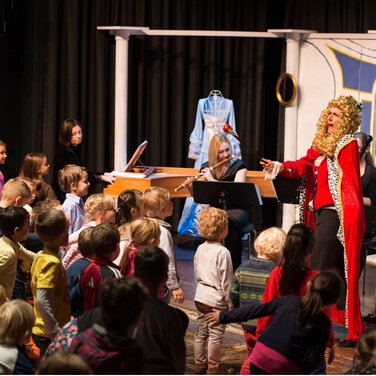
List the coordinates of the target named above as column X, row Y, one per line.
column 135, row 157
column 287, row 190
column 221, row 194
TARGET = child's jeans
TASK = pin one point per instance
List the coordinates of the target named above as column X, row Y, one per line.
column 213, row 334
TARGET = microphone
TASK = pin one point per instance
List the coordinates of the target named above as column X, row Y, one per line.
column 365, row 145
column 228, row 130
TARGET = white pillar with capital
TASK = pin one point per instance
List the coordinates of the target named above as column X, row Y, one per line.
column 291, row 119
column 121, row 101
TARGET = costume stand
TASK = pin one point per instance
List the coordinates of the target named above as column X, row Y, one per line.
column 212, row 114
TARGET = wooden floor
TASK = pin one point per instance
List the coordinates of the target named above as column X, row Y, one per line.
column 234, row 350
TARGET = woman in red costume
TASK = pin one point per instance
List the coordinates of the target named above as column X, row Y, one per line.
column 332, row 202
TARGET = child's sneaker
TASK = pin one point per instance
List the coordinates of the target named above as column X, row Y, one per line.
column 220, row 370
column 200, row 369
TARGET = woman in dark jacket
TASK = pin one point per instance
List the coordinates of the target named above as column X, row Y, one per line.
column 70, row 138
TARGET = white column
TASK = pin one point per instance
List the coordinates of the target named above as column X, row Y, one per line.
column 121, row 102
column 291, row 119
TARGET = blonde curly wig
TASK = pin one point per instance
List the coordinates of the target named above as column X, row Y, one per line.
column 350, row 120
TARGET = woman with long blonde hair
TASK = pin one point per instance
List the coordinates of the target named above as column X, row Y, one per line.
column 234, row 170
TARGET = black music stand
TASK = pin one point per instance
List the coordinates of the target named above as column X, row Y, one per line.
column 222, row 194
column 287, row 190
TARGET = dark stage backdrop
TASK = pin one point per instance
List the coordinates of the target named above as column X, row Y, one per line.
column 55, row 64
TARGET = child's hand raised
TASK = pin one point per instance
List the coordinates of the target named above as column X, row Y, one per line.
column 212, row 317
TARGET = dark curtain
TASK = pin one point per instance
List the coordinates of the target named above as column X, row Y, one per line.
column 55, row 64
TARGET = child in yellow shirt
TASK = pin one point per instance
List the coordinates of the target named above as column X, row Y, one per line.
column 48, row 279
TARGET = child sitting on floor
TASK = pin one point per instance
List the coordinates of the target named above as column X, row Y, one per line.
column 213, row 272
column 16, row 321
column 144, row 231
column 158, row 204
column 250, row 279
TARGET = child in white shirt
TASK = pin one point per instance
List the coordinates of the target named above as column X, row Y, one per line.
column 213, row 272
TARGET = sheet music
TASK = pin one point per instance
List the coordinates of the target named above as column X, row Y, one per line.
column 128, row 174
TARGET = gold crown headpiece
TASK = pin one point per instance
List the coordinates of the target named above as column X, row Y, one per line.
column 349, row 100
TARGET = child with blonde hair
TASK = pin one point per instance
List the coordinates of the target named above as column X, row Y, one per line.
column 34, row 167
column 251, row 277
column 158, row 205
column 213, row 272
column 16, row 321
column 365, row 354
column 144, row 231
column 73, row 180
column 99, row 209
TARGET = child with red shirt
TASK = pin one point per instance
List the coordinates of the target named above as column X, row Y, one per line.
column 105, row 244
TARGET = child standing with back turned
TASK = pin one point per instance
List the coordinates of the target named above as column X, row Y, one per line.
column 213, row 272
